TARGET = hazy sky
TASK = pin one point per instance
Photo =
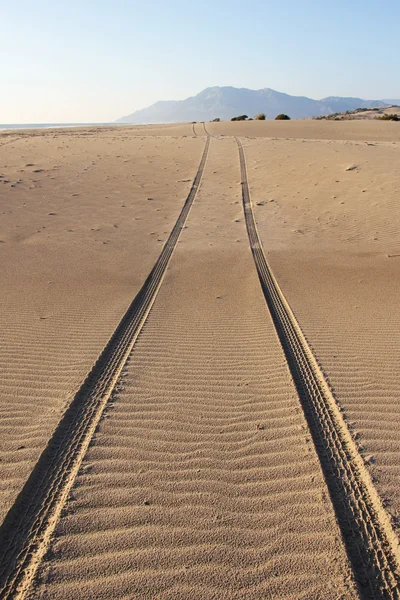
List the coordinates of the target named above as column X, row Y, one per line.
column 97, row 60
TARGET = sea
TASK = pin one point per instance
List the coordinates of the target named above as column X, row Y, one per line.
column 4, row 126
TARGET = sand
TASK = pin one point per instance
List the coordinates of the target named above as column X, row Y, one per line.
column 79, row 235
column 331, row 228
column 311, row 130
column 367, row 114
column 202, row 480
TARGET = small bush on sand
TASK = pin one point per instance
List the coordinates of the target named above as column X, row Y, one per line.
column 260, row 117
column 389, row 118
column 217, row 120
column 282, row 117
column 240, row 118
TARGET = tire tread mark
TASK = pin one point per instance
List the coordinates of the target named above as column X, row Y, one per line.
column 26, row 531
column 371, row 543
column 16, row 139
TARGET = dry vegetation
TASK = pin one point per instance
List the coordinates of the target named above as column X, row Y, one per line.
column 391, row 113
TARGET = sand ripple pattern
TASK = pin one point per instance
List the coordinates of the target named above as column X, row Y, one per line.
column 26, row 531
column 202, row 482
column 370, row 540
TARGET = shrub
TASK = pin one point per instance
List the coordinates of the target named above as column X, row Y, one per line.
column 240, row 118
column 282, row 117
column 389, row 118
column 217, row 120
column 260, row 117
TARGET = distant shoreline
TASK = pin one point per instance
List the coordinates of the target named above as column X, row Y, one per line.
column 15, row 126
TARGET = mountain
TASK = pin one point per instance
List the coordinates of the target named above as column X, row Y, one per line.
column 227, row 102
column 334, row 104
column 392, row 102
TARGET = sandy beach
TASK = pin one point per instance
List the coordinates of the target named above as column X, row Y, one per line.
column 80, row 231
column 204, row 470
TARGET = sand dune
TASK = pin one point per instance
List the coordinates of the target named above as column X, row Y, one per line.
column 311, row 130
column 354, row 330
column 202, row 479
column 341, row 196
column 78, row 237
column 331, row 229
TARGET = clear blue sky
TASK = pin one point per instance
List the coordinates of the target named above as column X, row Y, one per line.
column 96, row 60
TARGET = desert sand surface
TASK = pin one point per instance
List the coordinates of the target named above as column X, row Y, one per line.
column 201, row 481
column 83, row 218
column 331, row 228
column 203, row 478
column 121, row 131
column 309, row 129
column 360, row 114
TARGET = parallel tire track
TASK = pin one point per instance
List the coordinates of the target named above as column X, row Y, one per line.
column 27, row 529
column 10, row 141
column 204, row 128
column 370, row 540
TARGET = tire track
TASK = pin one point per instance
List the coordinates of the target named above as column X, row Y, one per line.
column 370, row 540
column 192, row 483
column 26, row 532
column 11, row 141
column 204, row 128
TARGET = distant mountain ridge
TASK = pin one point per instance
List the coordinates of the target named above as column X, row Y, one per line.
column 393, row 101
column 227, row 102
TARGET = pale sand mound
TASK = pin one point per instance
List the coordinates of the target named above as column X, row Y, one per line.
column 79, row 235
column 309, row 129
column 363, row 114
column 202, row 482
column 112, row 132
column 329, row 216
column 342, row 196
